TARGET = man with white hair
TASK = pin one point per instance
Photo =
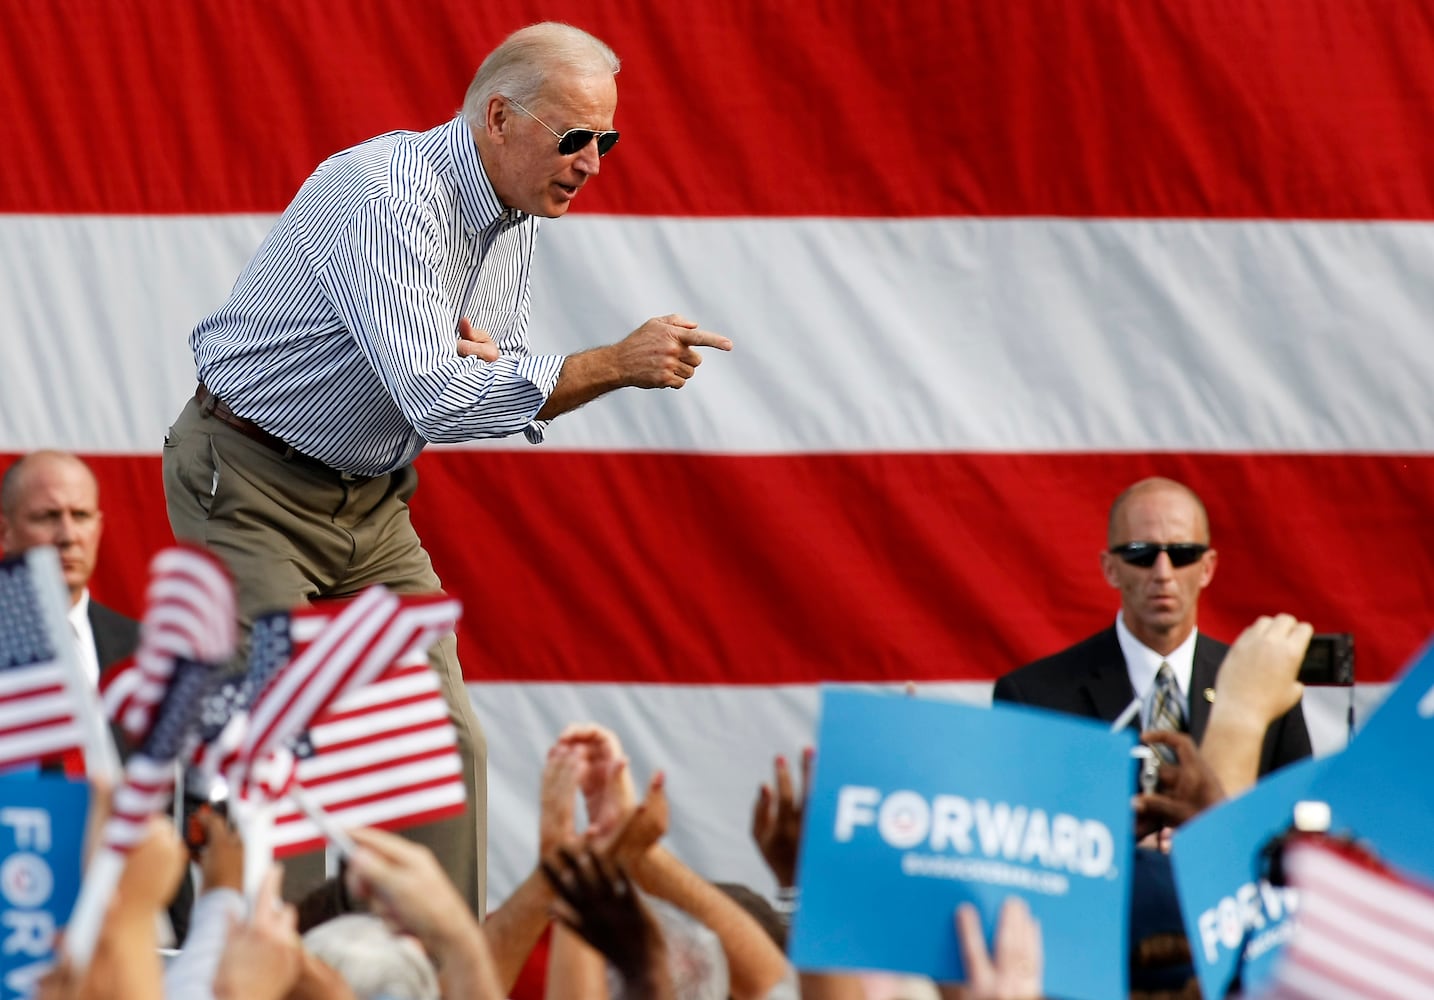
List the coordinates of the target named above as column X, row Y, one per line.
column 388, row 308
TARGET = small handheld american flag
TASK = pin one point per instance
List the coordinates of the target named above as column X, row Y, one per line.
column 1364, row 931
column 40, row 711
column 188, row 631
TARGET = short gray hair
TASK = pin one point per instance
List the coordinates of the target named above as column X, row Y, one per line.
column 522, row 63
column 373, row 960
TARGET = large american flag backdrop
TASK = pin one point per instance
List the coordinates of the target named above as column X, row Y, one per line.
column 985, row 264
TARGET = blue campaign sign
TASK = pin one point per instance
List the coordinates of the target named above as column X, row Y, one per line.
column 1381, row 787
column 919, row 805
column 42, row 830
column 1235, row 920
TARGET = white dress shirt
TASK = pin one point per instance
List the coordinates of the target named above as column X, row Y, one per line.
column 85, row 637
column 1142, row 664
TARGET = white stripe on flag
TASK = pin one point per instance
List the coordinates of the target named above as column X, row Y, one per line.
column 333, row 795
column 969, row 360
column 377, row 721
column 330, row 762
column 37, row 743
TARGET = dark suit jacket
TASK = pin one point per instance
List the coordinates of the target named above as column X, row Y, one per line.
column 1090, row 679
column 116, row 636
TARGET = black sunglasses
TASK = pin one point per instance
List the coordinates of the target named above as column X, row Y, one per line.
column 574, row 139
column 1145, row 553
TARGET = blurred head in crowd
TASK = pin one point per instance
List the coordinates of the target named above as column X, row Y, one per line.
column 52, row 498
column 376, row 963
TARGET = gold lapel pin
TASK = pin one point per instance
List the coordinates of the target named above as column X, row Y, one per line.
column 1210, row 695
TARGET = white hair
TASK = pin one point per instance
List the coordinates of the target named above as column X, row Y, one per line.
column 374, row 961
column 519, row 66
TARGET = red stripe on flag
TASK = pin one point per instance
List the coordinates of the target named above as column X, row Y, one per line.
column 31, row 725
column 958, row 567
column 1027, row 107
column 35, row 692
column 380, row 796
column 413, row 699
column 317, row 841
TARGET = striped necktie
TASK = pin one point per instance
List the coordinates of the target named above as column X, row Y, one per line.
column 1166, row 712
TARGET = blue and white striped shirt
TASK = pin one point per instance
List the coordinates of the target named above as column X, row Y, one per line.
column 340, row 336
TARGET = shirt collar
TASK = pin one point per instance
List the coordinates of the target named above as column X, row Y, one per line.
column 477, row 201
column 1142, row 662
column 80, row 610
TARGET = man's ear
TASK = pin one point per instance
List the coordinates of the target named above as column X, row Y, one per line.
column 496, row 116
column 1207, row 567
column 1108, row 569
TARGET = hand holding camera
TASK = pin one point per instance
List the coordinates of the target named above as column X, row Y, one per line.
column 1172, row 793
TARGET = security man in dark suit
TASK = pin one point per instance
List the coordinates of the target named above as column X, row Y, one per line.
column 1159, row 557
column 52, row 498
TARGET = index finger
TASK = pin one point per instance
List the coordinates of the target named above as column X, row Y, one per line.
column 704, row 338
column 972, row 939
column 784, row 784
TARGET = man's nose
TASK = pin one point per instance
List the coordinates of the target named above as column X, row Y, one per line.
column 588, row 161
column 66, row 531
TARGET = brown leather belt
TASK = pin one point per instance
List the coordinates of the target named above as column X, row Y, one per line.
column 215, row 407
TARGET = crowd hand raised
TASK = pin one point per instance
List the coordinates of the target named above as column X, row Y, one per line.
column 598, row 902
column 261, row 960
column 475, row 343
column 661, row 354
column 221, row 859
column 777, row 819
column 562, row 773
column 1015, row 971
column 604, row 779
column 403, row 883
column 1185, row 788
column 1258, row 678
column 643, row 827
column 152, row 869
column 61, row 982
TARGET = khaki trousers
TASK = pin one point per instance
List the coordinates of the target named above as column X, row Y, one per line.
column 291, row 532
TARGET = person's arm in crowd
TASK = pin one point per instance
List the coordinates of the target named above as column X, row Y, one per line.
column 575, row 968
column 126, row 959
column 777, row 819
column 1256, row 684
column 754, row 962
column 220, row 903
column 1014, row 970
column 619, row 827
column 1185, row 789
column 262, row 956
column 514, row 928
column 597, row 901
column 404, row 885
column 831, row 986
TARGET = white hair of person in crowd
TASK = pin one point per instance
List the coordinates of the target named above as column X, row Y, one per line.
column 376, row 963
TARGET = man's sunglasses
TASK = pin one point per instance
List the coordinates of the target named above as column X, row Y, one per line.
column 1145, row 553
column 574, row 139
